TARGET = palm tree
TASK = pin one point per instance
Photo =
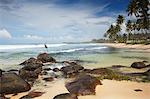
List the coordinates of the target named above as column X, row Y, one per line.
column 132, row 8
column 111, row 33
column 129, row 28
column 140, row 8
column 120, row 19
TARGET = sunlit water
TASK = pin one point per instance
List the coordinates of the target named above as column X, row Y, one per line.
column 92, row 55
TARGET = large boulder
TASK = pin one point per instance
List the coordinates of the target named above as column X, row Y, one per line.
column 30, row 73
column 138, row 65
column 65, row 96
column 11, row 83
column 31, row 61
column 84, row 85
column 71, row 70
column 44, row 57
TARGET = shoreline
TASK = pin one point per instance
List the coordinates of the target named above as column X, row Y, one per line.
column 138, row 47
column 109, row 90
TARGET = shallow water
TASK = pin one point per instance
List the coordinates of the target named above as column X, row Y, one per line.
column 93, row 55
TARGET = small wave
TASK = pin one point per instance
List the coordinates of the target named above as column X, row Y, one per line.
column 7, row 47
column 95, row 48
column 77, row 49
column 68, row 50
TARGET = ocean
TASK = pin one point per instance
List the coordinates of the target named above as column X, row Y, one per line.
column 92, row 55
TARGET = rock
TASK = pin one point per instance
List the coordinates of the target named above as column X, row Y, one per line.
column 47, row 69
column 49, row 79
column 65, row 96
column 13, row 70
column 138, row 65
column 30, row 73
column 148, row 65
column 145, row 61
column 44, row 57
column 11, row 83
column 100, row 71
column 31, row 61
column 147, row 73
column 32, row 94
column 138, row 90
column 1, row 71
column 56, row 70
column 84, row 85
column 2, row 96
column 44, row 73
column 71, row 70
column 87, row 70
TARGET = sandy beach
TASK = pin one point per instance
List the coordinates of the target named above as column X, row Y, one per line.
column 138, row 47
column 110, row 89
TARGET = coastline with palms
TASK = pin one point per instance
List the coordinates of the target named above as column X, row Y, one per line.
column 114, row 67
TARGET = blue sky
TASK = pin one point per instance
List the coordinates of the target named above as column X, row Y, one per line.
column 55, row 21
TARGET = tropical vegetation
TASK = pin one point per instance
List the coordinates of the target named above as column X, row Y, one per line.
column 137, row 29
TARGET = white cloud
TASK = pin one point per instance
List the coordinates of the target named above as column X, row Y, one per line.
column 5, row 34
column 52, row 21
column 34, row 37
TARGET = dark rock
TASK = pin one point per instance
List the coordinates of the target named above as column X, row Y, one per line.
column 49, row 79
column 147, row 73
column 44, row 73
column 65, row 96
column 11, row 83
column 138, row 90
column 47, row 69
column 44, row 57
column 100, row 71
column 56, row 70
column 13, row 70
column 138, row 65
column 1, row 71
column 2, row 96
column 71, row 70
column 31, row 61
column 148, row 65
column 30, row 73
column 87, row 70
column 84, row 85
column 145, row 61
column 32, row 94
column 117, row 66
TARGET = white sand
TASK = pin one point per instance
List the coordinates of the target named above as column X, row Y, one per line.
column 120, row 90
column 109, row 90
column 139, row 47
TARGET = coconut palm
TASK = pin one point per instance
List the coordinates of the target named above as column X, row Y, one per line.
column 129, row 28
column 120, row 19
column 140, row 8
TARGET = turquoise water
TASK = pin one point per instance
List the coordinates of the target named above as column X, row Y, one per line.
column 92, row 55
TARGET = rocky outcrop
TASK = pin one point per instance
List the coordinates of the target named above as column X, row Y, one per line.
column 65, row 96
column 31, row 61
column 11, row 83
column 138, row 65
column 83, row 85
column 44, row 58
column 71, row 70
column 30, row 73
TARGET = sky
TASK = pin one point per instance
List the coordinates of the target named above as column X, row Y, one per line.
column 56, row 21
